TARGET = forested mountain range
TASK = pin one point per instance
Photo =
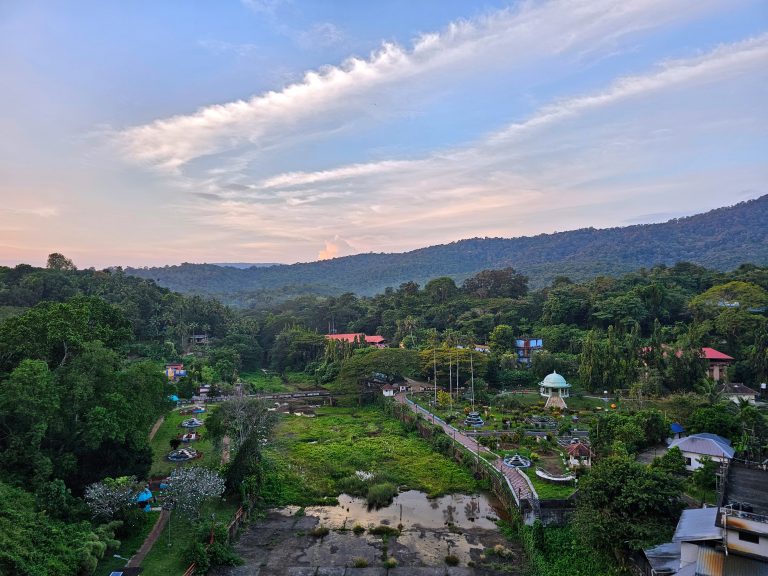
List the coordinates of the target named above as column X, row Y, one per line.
column 720, row 239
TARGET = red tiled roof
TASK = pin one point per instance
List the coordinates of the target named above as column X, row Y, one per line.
column 579, row 450
column 374, row 339
column 706, row 353
column 346, row 337
column 712, row 354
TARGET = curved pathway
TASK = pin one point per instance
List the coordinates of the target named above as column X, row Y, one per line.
column 149, row 541
column 517, row 481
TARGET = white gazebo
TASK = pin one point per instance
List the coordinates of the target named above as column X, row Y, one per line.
column 554, row 388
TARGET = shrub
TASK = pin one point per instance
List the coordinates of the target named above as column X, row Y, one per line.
column 320, row 532
column 381, row 494
column 452, row 560
column 360, row 563
column 383, row 530
column 390, row 562
column 358, row 529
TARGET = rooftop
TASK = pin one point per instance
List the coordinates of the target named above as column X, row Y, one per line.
column 664, row 557
column 738, row 389
column 697, row 524
column 747, row 486
column 705, row 444
column 554, row 380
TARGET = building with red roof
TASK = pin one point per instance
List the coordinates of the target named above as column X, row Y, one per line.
column 360, row 338
column 716, row 361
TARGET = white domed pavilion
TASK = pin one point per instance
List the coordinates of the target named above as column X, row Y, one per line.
column 554, row 388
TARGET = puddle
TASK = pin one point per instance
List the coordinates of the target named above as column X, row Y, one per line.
column 412, row 509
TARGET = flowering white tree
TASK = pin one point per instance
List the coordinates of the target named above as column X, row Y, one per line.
column 108, row 497
column 188, row 487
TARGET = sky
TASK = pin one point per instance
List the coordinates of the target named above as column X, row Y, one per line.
column 154, row 132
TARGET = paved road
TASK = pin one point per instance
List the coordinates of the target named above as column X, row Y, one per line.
column 518, row 482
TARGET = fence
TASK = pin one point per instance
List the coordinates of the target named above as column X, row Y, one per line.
column 240, row 516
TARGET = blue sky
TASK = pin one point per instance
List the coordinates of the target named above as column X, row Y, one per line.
column 146, row 132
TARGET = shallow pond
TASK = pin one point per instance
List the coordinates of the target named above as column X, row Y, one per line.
column 413, row 509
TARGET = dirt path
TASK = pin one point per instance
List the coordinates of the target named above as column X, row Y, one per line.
column 156, row 427
column 149, row 541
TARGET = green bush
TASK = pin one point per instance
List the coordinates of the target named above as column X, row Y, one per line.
column 320, row 532
column 452, row 560
column 360, row 563
column 381, row 494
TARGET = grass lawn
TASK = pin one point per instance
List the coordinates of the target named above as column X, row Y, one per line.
column 128, row 548
column 548, row 490
column 170, row 428
column 260, row 382
column 312, row 458
column 164, row 560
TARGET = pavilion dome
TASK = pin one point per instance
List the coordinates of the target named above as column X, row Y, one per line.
column 554, row 380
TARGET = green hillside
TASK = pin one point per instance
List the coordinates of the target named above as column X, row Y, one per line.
column 720, row 239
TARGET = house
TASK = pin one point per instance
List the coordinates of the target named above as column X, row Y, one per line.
column 696, row 446
column 174, row 371
column 717, row 362
column 726, row 540
column 525, row 347
column 738, row 392
column 579, row 455
column 359, row 338
column 554, row 388
column 198, row 339
column 388, row 390
column 484, row 348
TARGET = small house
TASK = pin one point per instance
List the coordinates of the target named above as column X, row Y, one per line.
column 579, row 455
column 388, row 390
column 717, row 362
column 696, row 446
column 738, row 392
column 198, row 339
column 525, row 347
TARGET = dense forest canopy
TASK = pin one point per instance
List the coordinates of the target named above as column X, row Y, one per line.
column 82, row 354
column 720, row 239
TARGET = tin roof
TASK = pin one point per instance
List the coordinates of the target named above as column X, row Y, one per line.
column 705, row 444
column 713, row 562
column 664, row 557
column 697, row 524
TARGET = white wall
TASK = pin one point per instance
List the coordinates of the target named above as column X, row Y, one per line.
column 696, row 460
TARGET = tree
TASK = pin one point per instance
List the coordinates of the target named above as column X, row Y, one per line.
column 502, row 339
column 111, row 496
column 625, row 505
column 672, row 462
column 189, row 487
column 504, row 283
column 58, row 261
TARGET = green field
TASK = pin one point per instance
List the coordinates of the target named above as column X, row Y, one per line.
column 313, row 458
column 170, row 428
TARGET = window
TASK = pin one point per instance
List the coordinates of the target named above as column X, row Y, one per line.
column 747, row 537
column 687, row 461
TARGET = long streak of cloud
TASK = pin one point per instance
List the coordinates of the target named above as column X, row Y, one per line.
column 531, row 31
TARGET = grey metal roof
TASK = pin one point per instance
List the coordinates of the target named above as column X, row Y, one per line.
column 664, row 557
column 697, row 524
column 705, row 444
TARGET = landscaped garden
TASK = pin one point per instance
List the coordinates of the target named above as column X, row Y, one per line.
column 314, row 458
column 171, row 428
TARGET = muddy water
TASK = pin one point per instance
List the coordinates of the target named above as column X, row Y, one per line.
column 282, row 543
column 413, row 509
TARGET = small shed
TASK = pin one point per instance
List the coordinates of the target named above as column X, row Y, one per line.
column 388, row 390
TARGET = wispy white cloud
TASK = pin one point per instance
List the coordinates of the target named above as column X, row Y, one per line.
column 325, row 97
column 320, row 34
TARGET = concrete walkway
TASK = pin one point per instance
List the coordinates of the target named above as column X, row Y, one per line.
column 517, row 480
column 149, row 541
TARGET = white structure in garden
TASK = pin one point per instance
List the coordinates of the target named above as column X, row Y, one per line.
column 554, row 388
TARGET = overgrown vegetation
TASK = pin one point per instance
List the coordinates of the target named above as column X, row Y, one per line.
column 352, row 450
